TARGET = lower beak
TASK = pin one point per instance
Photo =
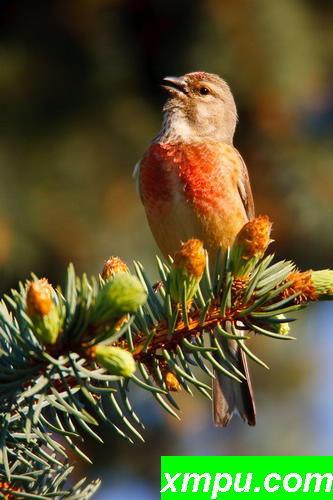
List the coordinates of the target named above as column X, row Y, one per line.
column 175, row 85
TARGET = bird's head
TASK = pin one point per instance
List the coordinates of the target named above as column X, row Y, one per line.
column 200, row 107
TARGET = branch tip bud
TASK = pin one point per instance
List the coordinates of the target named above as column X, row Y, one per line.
column 115, row 360
column 191, row 258
column 39, row 299
column 43, row 312
column 254, row 237
column 323, row 284
column 250, row 245
column 112, row 266
column 171, row 382
column 187, row 270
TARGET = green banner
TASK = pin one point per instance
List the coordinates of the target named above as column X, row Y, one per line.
column 230, row 477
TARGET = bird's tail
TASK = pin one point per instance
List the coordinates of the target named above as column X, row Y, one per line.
column 230, row 396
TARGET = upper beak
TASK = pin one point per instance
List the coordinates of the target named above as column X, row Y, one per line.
column 175, row 84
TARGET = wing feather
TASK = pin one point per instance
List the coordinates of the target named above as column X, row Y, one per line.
column 244, row 188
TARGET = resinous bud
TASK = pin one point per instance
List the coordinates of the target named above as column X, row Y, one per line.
column 43, row 312
column 39, row 299
column 115, row 360
column 122, row 294
column 171, row 382
column 112, row 266
column 187, row 270
column 323, row 284
column 250, row 245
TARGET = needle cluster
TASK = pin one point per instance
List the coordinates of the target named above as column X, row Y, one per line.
column 68, row 356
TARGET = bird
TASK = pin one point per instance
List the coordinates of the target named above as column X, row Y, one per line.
column 193, row 183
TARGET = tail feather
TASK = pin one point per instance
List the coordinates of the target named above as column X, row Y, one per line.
column 230, row 396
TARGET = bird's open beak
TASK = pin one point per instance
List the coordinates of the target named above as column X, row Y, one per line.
column 175, row 85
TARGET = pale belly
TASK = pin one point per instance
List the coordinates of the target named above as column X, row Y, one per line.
column 180, row 221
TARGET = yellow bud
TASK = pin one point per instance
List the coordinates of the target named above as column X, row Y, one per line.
column 250, row 246
column 112, row 266
column 171, row 382
column 191, row 259
column 254, row 237
column 43, row 312
column 39, row 300
column 187, row 270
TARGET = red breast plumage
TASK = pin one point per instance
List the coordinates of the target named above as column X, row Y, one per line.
column 192, row 190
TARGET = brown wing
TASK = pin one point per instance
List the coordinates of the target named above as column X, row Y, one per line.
column 244, row 188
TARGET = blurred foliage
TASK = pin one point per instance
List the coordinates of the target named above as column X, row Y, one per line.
column 80, row 101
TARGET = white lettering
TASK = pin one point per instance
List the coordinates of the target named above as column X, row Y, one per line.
column 217, row 488
column 196, row 482
column 319, row 478
column 247, row 486
column 298, row 484
column 170, row 482
column 267, row 486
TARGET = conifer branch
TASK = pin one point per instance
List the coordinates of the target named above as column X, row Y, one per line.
column 64, row 354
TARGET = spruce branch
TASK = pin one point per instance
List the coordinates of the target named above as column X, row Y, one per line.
column 66, row 356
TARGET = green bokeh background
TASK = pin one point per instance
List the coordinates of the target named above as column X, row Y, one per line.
column 80, row 101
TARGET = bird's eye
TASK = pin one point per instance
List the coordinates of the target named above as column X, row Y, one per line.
column 203, row 91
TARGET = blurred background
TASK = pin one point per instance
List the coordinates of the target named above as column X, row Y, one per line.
column 80, row 101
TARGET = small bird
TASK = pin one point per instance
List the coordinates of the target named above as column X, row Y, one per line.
column 194, row 184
